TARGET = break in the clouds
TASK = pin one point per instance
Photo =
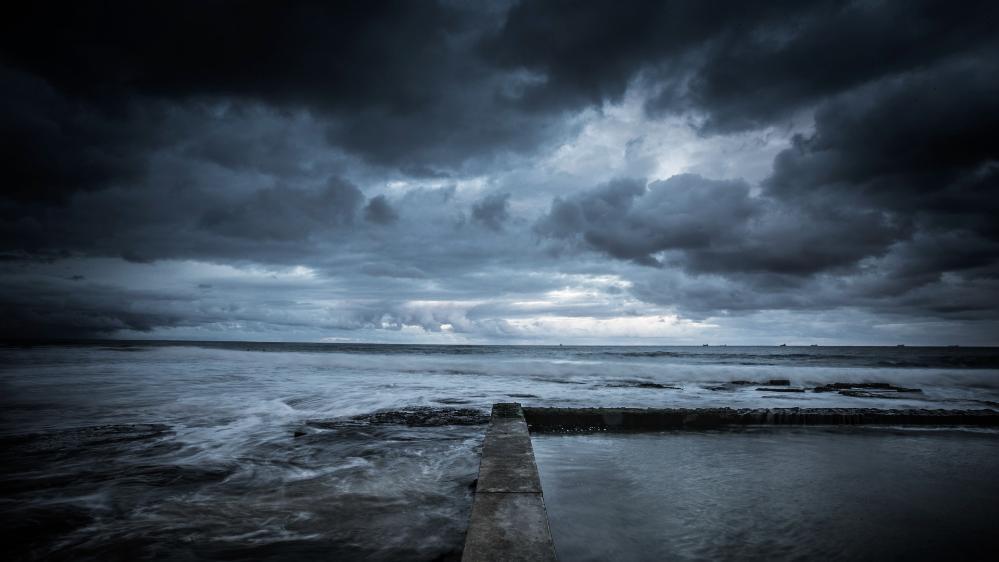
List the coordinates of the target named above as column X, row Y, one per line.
column 621, row 172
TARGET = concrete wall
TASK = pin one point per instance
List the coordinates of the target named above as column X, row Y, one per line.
column 635, row 419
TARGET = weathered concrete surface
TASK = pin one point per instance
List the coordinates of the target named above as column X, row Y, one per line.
column 508, row 519
column 507, row 463
column 628, row 419
column 508, row 526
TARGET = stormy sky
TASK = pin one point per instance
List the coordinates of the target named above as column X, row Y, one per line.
column 540, row 172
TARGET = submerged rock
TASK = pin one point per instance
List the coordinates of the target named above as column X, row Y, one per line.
column 782, row 389
column 418, row 416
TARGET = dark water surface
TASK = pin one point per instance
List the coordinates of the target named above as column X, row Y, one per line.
column 773, row 494
column 245, row 451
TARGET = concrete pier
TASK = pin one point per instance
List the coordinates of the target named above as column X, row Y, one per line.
column 637, row 419
column 508, row 521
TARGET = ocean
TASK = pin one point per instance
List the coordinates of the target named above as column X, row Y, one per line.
column 257, row 451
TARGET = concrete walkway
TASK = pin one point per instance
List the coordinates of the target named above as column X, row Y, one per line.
column 509, row 521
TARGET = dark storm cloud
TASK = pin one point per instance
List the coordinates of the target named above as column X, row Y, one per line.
column 393, row 82
column 919, row 148
column 744, row 64
column 586, row 52
column 919, row 143
column 428, row 86
column 350, row 55
column 48, row 308
column 425, row 86
column 51, row 145
column 248, row 133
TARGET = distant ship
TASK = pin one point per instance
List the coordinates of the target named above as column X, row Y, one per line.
column 782, row 345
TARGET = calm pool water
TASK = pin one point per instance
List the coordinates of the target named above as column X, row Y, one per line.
column 773, row 494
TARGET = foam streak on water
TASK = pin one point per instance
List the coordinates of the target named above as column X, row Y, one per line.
column 189, row 451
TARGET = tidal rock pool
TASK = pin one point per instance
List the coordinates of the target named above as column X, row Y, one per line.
column 773, row 494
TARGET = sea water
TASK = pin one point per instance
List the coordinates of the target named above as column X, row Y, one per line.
column 233, row 451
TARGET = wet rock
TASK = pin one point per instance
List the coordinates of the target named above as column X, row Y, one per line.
column 33, row 528
column 452, row 401
column 419, row 416
column 522, row 395
column 782, row 389
column 778, row 382
column 716, row 388
column 310, row 402
column 656, row 385
column 869, row 394
column 840, row 386
column 643, row 384
column 744, row 383
column 67, row 440
column 449, row 556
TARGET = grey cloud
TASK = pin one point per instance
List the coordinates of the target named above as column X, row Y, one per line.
column 131, row 255
column 49, row 309
column 888, row 204
column 492, row 211
column 392, row 270
column 284, row 214
column 380, row 211
column 627, row 221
